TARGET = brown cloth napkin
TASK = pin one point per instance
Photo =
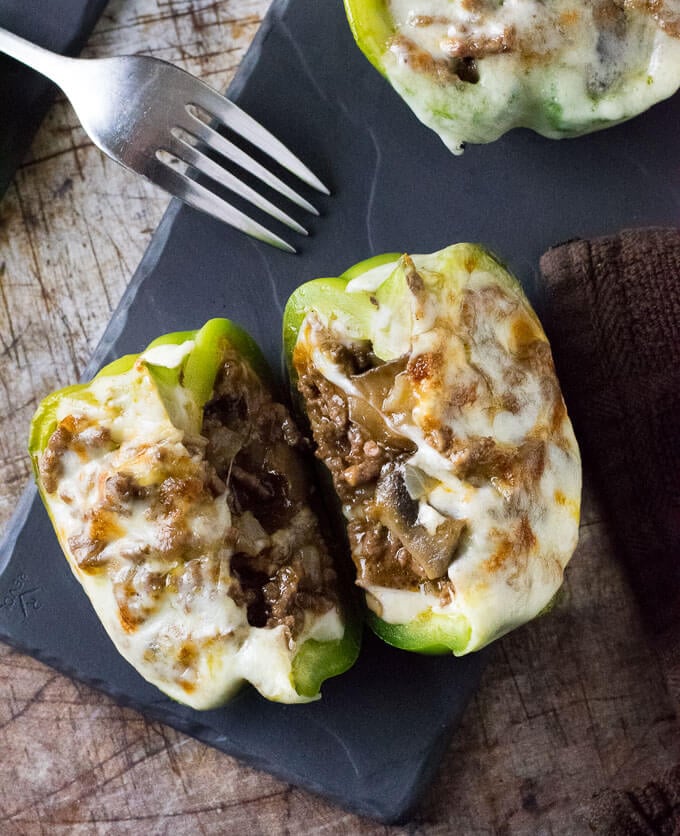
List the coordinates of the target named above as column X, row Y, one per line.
column 611, row 308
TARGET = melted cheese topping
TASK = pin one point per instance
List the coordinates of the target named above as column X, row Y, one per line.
column 473, row 69
column 159, row 576
column 479, row 380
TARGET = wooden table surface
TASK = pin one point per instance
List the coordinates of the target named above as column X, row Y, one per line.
column 570, row 704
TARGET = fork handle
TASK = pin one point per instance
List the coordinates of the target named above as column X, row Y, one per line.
column 48, row 63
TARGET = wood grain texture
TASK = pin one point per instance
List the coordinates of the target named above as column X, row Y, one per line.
column 570, row 704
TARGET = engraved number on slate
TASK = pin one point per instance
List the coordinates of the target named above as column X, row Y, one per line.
column 19, row 593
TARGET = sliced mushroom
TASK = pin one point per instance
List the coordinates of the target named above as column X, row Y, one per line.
column 431, row 553
column 370, row 418
column 281, row 460
column 376, row 383
column 374, row 386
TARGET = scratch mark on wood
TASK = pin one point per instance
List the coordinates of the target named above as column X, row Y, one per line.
column 37, row 264
column 30, row 702
column 73, row 149
column 100, row 272
column 14, row 337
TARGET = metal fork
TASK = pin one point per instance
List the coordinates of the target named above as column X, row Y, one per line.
column 140, row 110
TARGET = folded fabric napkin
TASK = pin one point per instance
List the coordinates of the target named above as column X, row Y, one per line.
column 611, row 308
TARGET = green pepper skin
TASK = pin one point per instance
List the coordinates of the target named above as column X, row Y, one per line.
column 573, row 90
column 329, row 294
column 432, row 636
column 372, row 28
column 315, row 661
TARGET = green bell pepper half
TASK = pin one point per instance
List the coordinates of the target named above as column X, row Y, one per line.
column 575, row 87
column 379, row 309
column 315, row 661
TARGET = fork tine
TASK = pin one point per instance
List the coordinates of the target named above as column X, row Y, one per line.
column 199, row 197
column 239, row 122
column 232, row 152
column 194, row 157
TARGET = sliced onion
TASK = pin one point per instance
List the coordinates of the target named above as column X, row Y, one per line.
column 311, row 560
column 418, row 484
column 252, row 537
column 361, row 412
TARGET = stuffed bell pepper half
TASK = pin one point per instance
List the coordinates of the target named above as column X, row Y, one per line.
column 473, row 70
column 430, row 390
column 177, row 488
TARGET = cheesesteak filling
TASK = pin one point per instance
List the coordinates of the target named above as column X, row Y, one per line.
column 281, row 568
column 367, row 462
column 201, row 537
column 452, row 454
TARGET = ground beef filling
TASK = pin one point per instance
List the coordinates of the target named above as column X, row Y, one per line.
column 455, row 68
column 273, row 555
column 73, row 433
column 364, row 459
column 256, row 449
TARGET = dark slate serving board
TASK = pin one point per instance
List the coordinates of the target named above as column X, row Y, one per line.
column 374, row 741
column 24, row 94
